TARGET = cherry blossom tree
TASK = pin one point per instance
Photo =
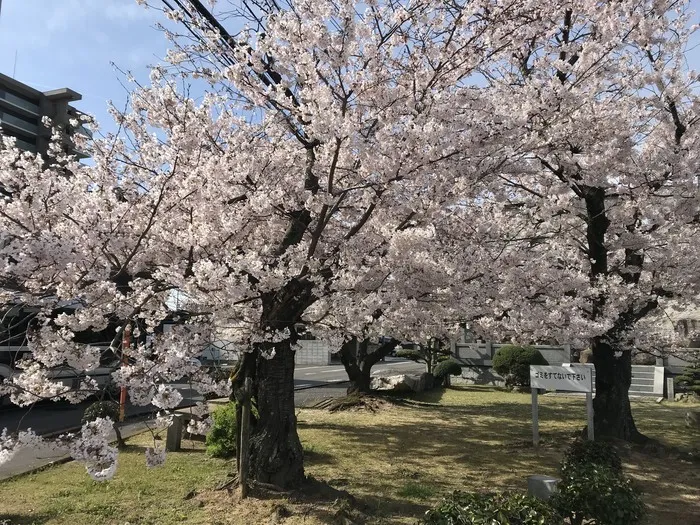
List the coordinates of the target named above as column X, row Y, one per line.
column 537, row 185
column 603, row 183
column 315, row 143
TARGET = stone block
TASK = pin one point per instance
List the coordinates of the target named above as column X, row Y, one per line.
column 541, row 487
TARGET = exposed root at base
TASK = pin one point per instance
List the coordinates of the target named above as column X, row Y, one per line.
column 228, row 484
column 355, row 401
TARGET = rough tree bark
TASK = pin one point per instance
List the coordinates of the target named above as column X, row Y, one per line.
column 358, row 362
column 611, row 405
column 276, row 454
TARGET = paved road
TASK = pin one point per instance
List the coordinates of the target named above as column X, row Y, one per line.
column 306, row 376
column 311, row 382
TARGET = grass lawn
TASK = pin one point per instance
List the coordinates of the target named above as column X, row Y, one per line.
column 397, row 462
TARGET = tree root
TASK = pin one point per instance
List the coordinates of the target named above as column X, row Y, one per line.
column 270, row 487
column 229, row 483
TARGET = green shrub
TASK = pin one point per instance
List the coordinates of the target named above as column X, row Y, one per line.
column 446, row 368
column 597, row 493
column 593, row 487
column 221, row 439
column 506, row 508
column 513, row 363
column 107, row 409
column 689, row 380
column 596, row 453
column 413, row 355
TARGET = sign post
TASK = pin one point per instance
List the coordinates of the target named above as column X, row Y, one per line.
column 571, row 378
column 535, row 419
column 589, row 411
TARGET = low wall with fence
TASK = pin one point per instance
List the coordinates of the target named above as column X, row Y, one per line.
column 481, row 354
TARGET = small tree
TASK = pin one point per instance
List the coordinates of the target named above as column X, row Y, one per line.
column 430, row 354
column 513, row 363
column 444, row 369
column 689, row 380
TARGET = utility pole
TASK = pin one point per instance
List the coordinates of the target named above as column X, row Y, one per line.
column 126, row 344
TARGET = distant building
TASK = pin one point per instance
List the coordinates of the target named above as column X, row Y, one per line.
column 22, row 108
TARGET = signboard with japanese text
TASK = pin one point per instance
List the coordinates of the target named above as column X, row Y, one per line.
column 562, row 378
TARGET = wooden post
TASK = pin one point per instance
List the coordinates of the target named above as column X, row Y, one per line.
column 535, row 420
column 245, row 433
column 126, row 343
column 670, row 389
column 589, row 411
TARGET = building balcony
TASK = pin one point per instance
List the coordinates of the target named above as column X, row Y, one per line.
column 17, row 103
column 18, row 124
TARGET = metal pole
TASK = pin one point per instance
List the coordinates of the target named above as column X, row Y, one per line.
column 535, row 420
column 245, row 433
column 126, row 344
column 589, row 411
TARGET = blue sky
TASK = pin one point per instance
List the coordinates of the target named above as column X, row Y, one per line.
column 71, row 43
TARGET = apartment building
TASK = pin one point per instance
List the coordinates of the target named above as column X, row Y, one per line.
column 23, row 107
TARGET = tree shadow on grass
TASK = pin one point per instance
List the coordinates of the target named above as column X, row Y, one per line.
column 316, row 457
column 189, row 450
column 26, row 519
column 476, row 453
column 476, row 446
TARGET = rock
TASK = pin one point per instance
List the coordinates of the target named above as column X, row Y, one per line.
column 390, row 383
column 692, row 419
column 401, row 383
column 541, row 487
column 679, row 397
column 659, row 399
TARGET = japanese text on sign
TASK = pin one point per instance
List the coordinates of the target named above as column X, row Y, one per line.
column 563, row 378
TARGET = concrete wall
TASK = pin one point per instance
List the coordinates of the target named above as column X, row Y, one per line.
column 313, row 352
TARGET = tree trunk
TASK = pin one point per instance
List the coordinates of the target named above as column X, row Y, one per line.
column 358, row 362
column 611, row 405
column 276, row 454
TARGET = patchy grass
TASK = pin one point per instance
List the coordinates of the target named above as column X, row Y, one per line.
column 413, row 490
column 396, row 461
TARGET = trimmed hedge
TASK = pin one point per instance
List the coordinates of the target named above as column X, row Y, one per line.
column 446, row 368
column 689, row 380
column 598, row 453
column 593, row 492
column 513, row 363
column 594, row 488
column 504, row 508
